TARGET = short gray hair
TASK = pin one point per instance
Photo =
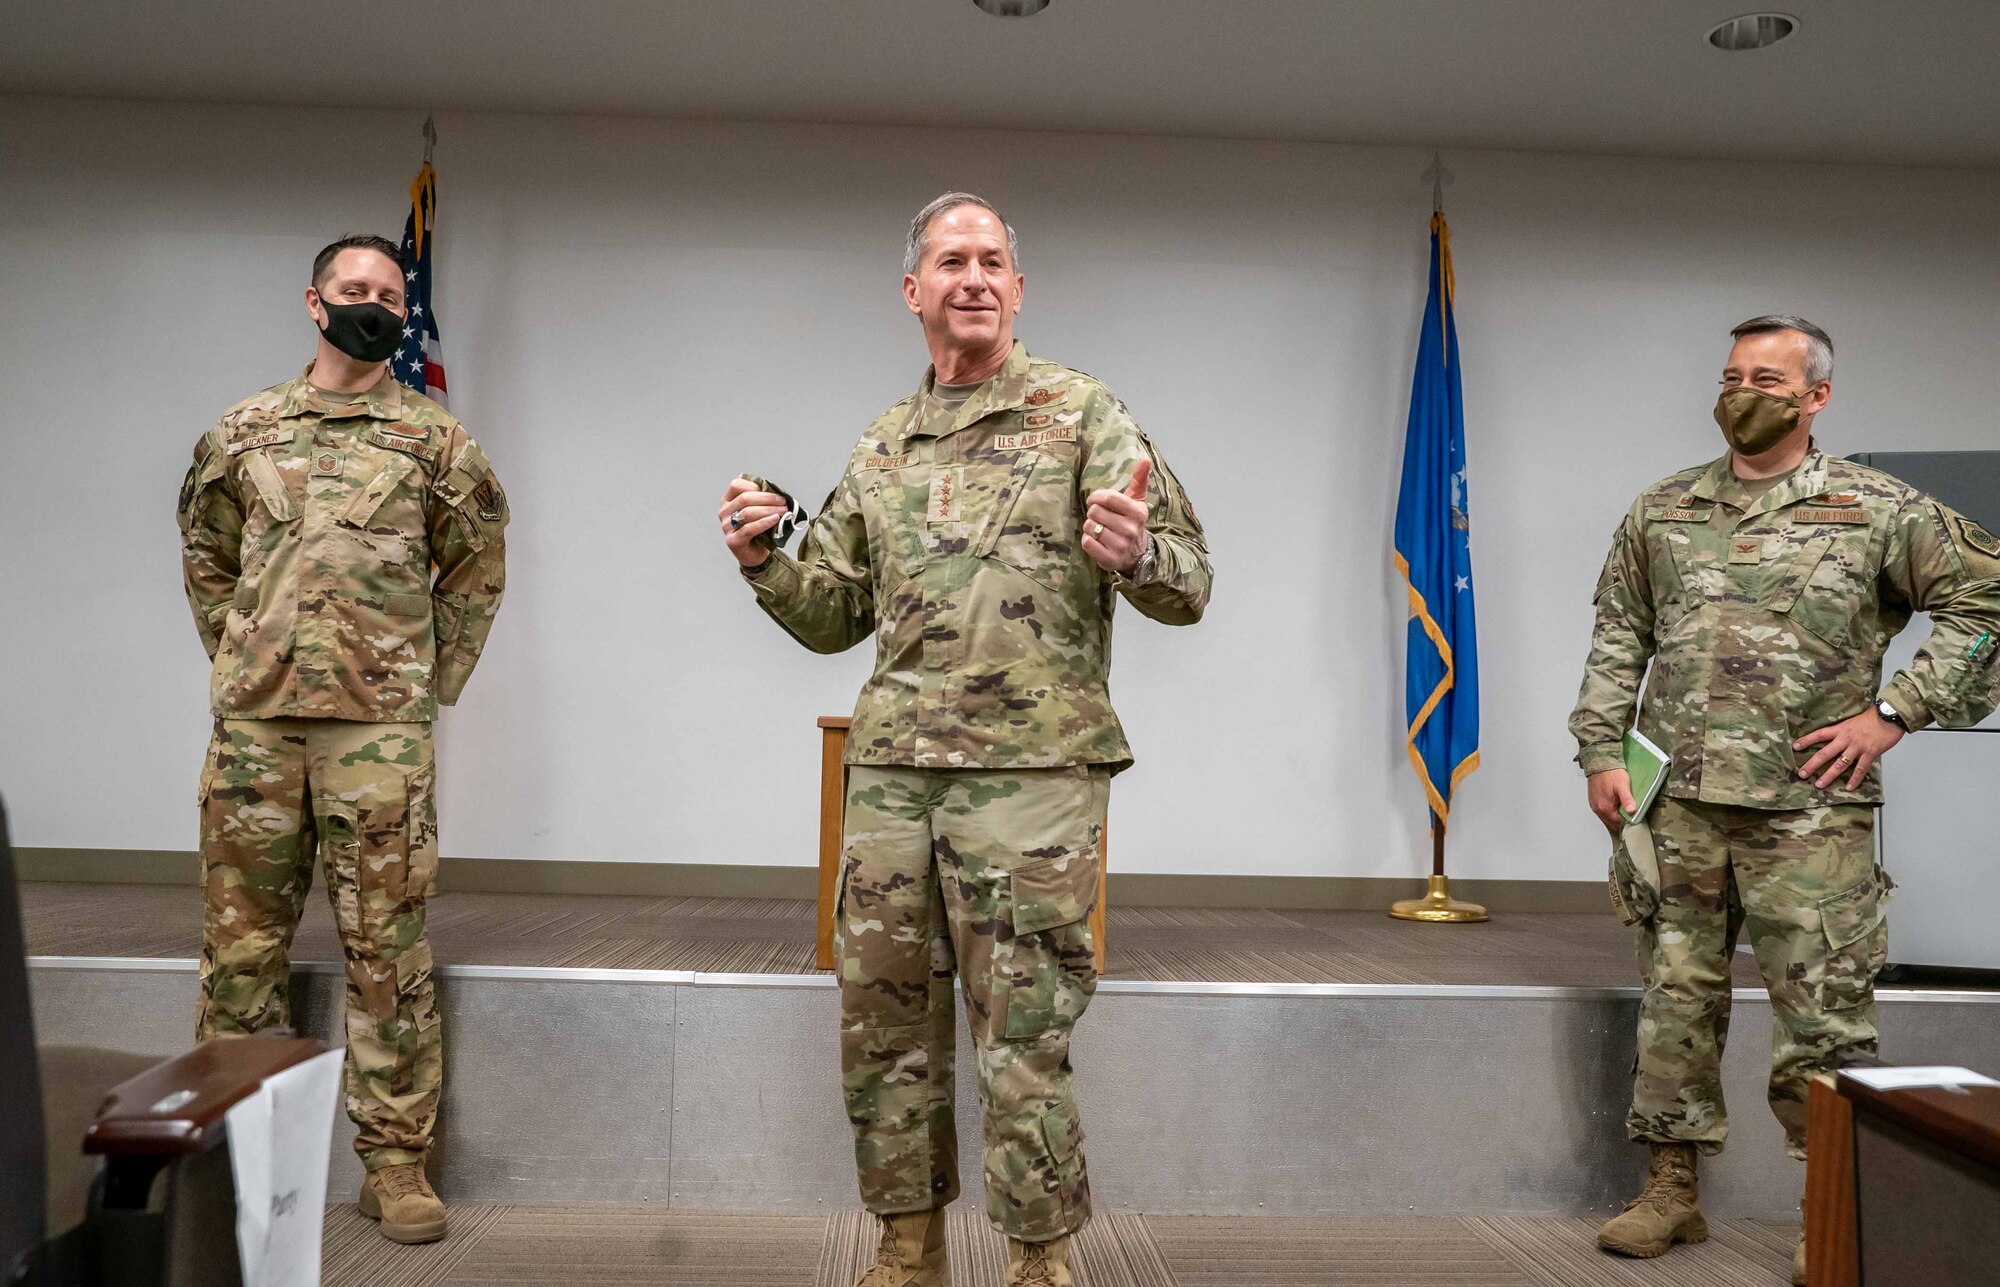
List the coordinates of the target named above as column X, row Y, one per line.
column 1819, row 345
column 919, row 239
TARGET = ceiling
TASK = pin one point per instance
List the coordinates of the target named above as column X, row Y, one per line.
column 1911, row 81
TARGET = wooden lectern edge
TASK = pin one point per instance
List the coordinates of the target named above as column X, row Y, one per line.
column 1832, row 1248
column 833, row 816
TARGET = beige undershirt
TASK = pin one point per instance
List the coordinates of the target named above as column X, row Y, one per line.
column 1758, row 486
column 950, row 397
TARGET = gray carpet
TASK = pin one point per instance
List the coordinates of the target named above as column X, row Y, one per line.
column 585, row 1246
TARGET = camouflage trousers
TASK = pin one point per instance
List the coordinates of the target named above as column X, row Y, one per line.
column 274, row 791
column 1805, row 886
column 993, row 875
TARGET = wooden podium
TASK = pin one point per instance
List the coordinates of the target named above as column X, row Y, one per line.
column 833, row 813
column 1902, row 1186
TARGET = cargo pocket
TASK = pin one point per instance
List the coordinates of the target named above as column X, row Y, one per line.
column 1857, row 942
column 374, row 844
column 416, row 1021
column 1635, row 901
column 1062, row 1131
column 421, row 829
column 1047, row 975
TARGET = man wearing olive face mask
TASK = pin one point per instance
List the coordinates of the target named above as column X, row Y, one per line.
column 1763, row 588
column 311, row 522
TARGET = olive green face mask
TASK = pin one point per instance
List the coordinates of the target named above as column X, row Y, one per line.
column 1755, row 421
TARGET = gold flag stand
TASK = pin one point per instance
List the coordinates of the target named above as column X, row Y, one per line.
column 1437, row 905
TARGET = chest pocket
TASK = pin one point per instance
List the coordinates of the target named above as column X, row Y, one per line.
column 269, row 483
column 893, row 501
column 1824, row 580
column 361, row 510
column 1033, row 526
column 1684, row 555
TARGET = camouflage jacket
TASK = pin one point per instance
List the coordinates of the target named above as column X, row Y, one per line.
column 954, row 540
column 1766, row 617
column 308, row 537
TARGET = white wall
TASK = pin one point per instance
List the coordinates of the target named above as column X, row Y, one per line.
column 635, row 310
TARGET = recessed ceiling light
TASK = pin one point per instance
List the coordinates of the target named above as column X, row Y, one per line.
column 1012, row 8
column 1753, row 31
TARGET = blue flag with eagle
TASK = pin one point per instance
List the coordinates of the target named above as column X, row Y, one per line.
column 1434, row 554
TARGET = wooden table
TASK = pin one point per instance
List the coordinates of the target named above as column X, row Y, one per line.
column 1953, row 1136
column 833, row 813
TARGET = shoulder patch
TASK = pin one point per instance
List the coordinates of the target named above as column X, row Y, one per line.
column 1978, row 537
column 487, row 497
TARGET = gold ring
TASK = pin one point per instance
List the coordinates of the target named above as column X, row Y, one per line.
column 1099, row 531
column 1845, row 759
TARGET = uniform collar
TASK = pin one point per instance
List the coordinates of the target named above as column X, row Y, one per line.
column 1721, row 484
column 1005, row 390
column 382, row 400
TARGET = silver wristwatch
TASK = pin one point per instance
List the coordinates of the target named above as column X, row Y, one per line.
column 1888, row 712
column 1142, row 571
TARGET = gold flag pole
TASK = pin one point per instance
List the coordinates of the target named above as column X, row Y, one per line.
column 1437, row 905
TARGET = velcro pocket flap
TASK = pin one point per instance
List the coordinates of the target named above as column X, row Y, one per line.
column 1795, row 563
column 270, row 486
column 1053, row 891
column 369, row 499
column 1852, row 914
column 1024, row 466
column 246, row 596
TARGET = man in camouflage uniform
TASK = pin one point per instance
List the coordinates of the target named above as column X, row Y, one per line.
column 1763, row 588
column 980, row 534
column 310, row 525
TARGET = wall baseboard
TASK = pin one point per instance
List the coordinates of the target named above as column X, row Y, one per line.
column 704, row 880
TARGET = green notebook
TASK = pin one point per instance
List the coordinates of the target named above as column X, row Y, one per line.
column 1646, row 765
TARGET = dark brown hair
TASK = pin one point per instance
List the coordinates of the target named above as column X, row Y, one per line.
column 323, row 261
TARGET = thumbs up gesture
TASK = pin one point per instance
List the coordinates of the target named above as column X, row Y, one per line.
column 1114, row 523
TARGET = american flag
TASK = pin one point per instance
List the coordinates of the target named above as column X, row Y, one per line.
column 420, row 362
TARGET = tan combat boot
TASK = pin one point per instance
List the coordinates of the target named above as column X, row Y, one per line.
column 1039, row 1264
column 1799, row 1263
column 912, row 1252
column 1667, row 1210
column 401, row 1198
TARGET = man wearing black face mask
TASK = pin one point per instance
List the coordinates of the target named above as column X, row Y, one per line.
column 1763, row 588
column 311, row 522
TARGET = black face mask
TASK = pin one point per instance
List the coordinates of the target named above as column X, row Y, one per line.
column 365, row 332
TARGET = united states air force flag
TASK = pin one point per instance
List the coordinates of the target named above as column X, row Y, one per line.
column 420, row 362
column 1434, row 554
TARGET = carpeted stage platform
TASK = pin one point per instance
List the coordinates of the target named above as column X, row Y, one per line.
column 775, row 936
column 681, row 1054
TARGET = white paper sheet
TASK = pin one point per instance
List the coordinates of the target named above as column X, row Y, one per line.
column 1914, row 1077
column 279, row 1139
